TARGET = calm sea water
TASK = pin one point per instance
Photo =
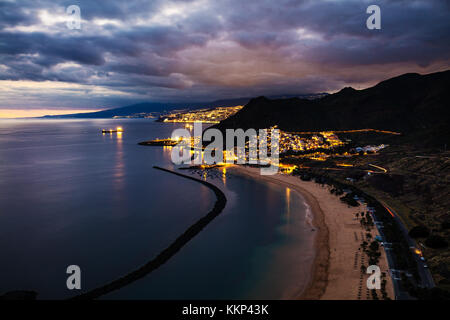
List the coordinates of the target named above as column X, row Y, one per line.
column 71, row 195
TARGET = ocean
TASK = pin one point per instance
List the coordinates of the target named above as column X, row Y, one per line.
column 70, row 195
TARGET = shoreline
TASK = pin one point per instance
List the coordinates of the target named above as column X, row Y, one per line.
column 318, row 279
column 336, row 268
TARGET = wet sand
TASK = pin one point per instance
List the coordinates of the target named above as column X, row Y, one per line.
column 336, row 271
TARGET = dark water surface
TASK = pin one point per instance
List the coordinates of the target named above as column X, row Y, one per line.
column 71, row 195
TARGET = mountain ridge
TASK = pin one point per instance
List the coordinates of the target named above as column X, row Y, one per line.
column 161, row 107
column 409, row 103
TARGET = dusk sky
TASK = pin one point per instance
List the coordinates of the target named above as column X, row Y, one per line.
column 202, row 50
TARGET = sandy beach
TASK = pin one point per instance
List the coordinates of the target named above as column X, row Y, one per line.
column 336, row 271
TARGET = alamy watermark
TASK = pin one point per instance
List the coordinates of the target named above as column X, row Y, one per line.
column 74, row 17
column 374, row 20
column 74, row 280
column 374, row 280
column 241, row 147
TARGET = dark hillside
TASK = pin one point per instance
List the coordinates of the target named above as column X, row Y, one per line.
column 415, row 105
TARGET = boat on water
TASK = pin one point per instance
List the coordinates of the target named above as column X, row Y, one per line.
column 117, row 130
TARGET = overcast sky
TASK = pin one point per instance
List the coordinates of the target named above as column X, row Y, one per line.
column 200, row 50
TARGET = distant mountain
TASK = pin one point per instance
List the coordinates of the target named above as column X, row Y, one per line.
column 413, row 104
column 157, row 107
column 119, row 112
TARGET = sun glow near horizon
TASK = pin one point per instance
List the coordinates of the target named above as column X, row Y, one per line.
column 30, row 113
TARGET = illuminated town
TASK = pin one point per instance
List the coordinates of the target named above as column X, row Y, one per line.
column 295, row 142
column 214, row 115
column 318, row 147
column 294, row 147
column 139, row 115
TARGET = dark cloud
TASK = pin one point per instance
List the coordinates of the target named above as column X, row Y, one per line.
column 200, row 49
column 13, row 13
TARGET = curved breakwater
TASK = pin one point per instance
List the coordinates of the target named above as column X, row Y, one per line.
column 170, row 251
